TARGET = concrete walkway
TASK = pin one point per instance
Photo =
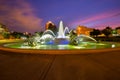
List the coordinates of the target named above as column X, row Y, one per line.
column 100, row 66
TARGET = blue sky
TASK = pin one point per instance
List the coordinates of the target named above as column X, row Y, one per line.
column 31, row 15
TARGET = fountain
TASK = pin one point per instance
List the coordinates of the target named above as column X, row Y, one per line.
column 49, row 40
column 49, row 37
column 61, row 33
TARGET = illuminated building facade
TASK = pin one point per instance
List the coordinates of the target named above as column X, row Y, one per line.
column 51, row 26
column 83, row 30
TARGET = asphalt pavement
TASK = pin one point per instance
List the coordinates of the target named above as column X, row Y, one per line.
column 100, row 66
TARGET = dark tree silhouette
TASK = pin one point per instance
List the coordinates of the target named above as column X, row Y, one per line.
column 117, row 27
column 16, row 34
column 107, row 31
column 95, row 32
column 6, row 35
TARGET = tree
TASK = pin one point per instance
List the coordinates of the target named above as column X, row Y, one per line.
column 117, row 30
column 6, row 35
column 107, row 31
column 17, row 34
column 114, row 31
column 117, row 27
column 95, row 32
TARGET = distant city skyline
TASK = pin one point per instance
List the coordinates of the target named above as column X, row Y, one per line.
column 32, row 15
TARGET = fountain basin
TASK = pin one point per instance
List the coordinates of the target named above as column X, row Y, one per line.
column 15, row 47
column 81, row 46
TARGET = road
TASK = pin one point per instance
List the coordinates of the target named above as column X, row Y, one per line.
column 100, row 66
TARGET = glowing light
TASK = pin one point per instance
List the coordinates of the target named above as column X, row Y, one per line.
column 113, row 45
column 61, row 31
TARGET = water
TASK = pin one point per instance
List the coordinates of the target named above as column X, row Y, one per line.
column 61, row 42
column 83, row 45
column 61, row 31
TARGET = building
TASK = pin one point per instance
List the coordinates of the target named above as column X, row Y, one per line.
column 83, row 30
column 48, row 25
column 51, row 26
column 3, row 30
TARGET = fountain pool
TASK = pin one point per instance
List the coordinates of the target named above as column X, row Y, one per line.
column 83, row 45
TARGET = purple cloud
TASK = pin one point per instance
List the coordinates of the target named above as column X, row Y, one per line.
column 19, row 16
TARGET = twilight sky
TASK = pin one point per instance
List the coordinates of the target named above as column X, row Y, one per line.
column 31, row 15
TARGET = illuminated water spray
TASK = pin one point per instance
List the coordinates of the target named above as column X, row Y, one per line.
column 61, row 33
